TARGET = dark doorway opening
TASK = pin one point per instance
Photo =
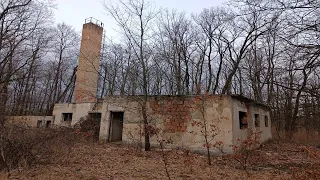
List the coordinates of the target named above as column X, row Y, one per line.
column 116, row 126
column 48, row 124
column 39, row 124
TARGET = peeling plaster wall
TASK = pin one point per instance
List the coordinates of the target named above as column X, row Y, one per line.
column 175, row 117
column 79, row 110
column 217, row 112
column 250, row 109
column 30, row 121
column 131, row 119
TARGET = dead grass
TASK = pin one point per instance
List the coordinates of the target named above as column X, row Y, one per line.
column 301, row 136
column 85, row 159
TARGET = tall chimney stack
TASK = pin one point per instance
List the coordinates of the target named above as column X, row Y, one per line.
column 89, row 60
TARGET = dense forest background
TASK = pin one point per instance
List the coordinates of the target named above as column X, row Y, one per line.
column 267, row 50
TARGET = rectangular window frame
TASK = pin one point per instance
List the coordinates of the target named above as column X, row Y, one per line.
column 243, row 123
column 67, row 117
column 257, row 120
column 39, row 124
column 266, row 121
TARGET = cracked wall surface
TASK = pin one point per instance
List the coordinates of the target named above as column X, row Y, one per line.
column 251, row 110
column 29, row 121
column 175, row 118
column 78, row 110
column 178, row 121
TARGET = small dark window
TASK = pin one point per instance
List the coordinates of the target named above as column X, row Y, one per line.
column 243, row 120
column 67, row 116
column 39, row 124
column 257, row 120
column 266, row 121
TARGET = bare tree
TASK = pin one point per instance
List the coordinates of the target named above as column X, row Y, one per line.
column 175, row 39
column 20, row 20
column 65, row 48
column 134, row 18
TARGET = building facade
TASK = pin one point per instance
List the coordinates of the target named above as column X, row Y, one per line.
column 180, row 121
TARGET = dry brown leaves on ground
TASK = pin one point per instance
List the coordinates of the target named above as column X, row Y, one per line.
column 89, row 160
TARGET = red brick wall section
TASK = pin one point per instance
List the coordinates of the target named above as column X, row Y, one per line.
column 88, row 66
column 175, row 111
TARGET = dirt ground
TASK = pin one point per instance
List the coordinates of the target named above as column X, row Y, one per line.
column 94, row 161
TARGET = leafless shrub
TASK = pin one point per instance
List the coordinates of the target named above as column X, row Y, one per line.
column 88, row 126
column 244, row 152
column 22, row 147
column 135, row 140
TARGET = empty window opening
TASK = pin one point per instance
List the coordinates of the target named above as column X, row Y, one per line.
column 243, row 120
column 48, row 124
column 266, row 121
column 116, row 126
column 39, row 124
column 67, row 116
column 257, row 120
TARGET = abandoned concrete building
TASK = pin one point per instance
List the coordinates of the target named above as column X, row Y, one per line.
column 32, row 121
column 178, row 118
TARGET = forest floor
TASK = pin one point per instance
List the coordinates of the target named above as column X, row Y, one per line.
column 92, row 161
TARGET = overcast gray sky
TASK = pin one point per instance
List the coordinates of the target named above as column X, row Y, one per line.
column 74, row 12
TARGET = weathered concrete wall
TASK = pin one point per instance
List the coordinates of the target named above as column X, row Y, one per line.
column 131, row 117
column 180, row 120
column 251, row 109
column 79, row 110
column 30, row 121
